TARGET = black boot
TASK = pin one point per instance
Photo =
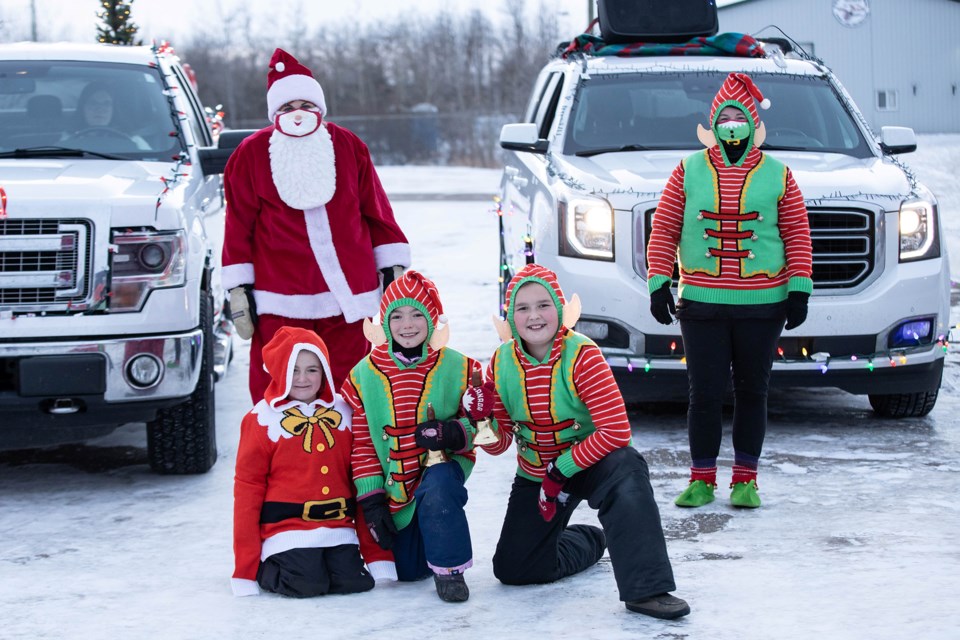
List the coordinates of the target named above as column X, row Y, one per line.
column 663, row 606
column 451, row 587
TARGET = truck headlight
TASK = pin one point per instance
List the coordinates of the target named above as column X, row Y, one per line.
column 143, row 261
column 586, row 228
column 918, row 225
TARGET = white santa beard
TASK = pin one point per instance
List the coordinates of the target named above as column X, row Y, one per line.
column 303, row 168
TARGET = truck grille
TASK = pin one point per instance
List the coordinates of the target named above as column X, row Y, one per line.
column 844, row 246
column 44, row 264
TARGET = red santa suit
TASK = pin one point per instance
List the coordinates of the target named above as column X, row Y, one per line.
column 308, row 226
column 295, row 457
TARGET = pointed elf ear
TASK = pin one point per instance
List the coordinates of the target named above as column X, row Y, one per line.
column 571, row 312
column 440, row 337
column 759, row 136
column 373, row 331
column 706, row 137
column 503, row 329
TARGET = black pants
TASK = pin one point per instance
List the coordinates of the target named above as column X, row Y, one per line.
column 531, row 551
column 304, row 573
column 712, row 346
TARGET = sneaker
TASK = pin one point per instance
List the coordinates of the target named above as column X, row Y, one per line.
column 697, row 494
column 663, row 606
column 451, row 587
column 744, row 494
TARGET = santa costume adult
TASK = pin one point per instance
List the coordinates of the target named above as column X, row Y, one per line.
column 308, row 226
column 296, row 529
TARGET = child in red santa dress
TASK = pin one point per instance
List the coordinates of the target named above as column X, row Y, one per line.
column 295, row 522
column 413, row 445
column 309, row 228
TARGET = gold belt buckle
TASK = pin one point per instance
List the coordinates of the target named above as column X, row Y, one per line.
column 339, row 513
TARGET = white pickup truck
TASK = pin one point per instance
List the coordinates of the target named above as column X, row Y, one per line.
column 111, row 309
column 585, row 169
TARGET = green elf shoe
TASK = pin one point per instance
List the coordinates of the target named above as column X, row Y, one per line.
column 744, row 494
column 697, row 494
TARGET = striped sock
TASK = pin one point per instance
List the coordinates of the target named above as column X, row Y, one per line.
column 705, row 470
column 744, row 468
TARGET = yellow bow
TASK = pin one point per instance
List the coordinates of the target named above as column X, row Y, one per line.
column 296, row 423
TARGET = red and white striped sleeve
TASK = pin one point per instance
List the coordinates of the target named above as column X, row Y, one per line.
column 363, row 457
column 598, row 390
column 667, row 223
column 795, row 230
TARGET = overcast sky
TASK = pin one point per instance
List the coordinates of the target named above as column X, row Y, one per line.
column 176, row 20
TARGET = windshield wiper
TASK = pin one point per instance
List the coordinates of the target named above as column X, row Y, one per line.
column 626, row 147
column 57, row 152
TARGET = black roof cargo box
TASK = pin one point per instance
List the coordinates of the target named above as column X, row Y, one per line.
column 656, row 20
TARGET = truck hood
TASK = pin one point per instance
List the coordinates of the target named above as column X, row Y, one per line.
column 626, row 178
column 40, row 187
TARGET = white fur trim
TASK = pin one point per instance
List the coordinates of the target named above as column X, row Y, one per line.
column 308, row 539
column 295, row 87
column 303, row 169
column 355, row 307
column 383, row 570
column 392, row 255
column 270, row 417
column 301, row 307
column 241, row 587
column 235, row 275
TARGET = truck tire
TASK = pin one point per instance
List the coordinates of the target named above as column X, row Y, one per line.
column 904, row 405
column 183, row 438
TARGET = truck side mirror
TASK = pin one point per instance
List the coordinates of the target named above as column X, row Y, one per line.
column 214, row 159
column 897, row 140
column 522, row 137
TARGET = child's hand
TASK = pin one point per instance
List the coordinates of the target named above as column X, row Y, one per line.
column 437, row 435
column 379, row 521
column 551, row 492
column 478, row 402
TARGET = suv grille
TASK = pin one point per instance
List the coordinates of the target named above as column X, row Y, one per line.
column 844, row 246
column 44, row 264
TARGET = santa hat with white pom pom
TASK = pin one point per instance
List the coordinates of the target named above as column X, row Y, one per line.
column 739, row 88
column 289, row 80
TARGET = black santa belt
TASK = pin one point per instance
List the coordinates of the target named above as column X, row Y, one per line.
column 312, row 511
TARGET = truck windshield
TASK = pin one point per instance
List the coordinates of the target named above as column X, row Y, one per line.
column 101, row 108
column 662, row 111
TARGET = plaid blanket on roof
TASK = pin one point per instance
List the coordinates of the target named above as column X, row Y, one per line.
column 722, row 44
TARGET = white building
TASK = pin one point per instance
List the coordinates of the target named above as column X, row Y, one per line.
column 899, row 59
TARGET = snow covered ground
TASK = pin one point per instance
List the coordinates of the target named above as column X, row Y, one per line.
column 856, row 537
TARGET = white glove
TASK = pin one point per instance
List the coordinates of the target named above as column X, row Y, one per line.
column 243, row 310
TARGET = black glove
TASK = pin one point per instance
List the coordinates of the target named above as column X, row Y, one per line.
column 389, row 275
column 437, row 435
column 796, row 308
column 243, row 310
column 379, row 521
column 661, row 304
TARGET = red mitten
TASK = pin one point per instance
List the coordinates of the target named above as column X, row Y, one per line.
column 478, row 401
column 551, row 492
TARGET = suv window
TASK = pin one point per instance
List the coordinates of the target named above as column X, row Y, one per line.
column 548, row 104
column 103, row 107
column 662, row 111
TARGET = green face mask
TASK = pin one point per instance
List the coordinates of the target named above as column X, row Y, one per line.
column 733, row 132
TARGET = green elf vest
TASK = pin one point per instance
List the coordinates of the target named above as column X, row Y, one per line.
column 759, row 245
column 571, row 420
column 443, row 388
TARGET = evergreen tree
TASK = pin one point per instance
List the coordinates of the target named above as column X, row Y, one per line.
column 117, row 27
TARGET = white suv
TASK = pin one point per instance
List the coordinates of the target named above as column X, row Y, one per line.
column 585, row 170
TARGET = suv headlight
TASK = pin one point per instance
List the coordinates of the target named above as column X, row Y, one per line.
column 586, row 228
column 143, row 261
column 918, row 231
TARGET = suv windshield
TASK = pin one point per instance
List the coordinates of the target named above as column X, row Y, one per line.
column 661, row 111
column 119, row 110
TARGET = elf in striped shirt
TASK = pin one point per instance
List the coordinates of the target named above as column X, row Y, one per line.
column 556, row 396
column 413, row 445
column 734, row 219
